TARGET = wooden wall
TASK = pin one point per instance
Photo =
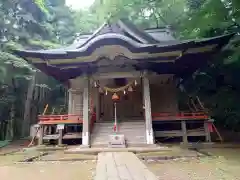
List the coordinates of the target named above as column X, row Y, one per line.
column 129, row 106
column 163, row 98
column 163, row 94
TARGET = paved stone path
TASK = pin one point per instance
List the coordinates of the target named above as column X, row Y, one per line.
column 121, row 166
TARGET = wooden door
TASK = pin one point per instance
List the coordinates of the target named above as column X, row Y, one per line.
column 130, row 105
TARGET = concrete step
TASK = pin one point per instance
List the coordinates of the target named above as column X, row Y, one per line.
column 131, row 144
column 121, row 123
column 134, row 132
column 106, row 138
column 129, row 136
column 121, row 131
column 120, row 126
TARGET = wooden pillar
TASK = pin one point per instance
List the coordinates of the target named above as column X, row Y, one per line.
column 40, row 138
column 101, row 116
column 49, row 129
column 70, row 101
column 97, row 104
column 207, row 133
column 45, row 128
column 60, row 137
column 86, row 130
column 148, row 113
column 184, row 132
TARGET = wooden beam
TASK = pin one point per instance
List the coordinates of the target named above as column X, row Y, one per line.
column 70, row 102
column 97, row 104
column 60, row 138
column 52, row 136
column 196, row 133
column 72, row 136
column 148, row 114
column 174, row 133
column 184, row 132
column 117, row 75
column 86, row 130
column 41, row 131
column 207, row 133
column 178, row 133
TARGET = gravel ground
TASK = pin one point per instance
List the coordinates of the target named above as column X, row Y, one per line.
column 83, row 170
column 225, row 166
column 59, row 155
column 53, row 169
column 195, row 169
column 17, row 156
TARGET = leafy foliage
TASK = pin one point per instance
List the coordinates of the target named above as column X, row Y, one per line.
column 41, row 5
column 217, row 84
column 31, row 25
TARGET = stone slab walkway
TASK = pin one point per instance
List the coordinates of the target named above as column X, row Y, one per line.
column 121, row 166
column 81, row 150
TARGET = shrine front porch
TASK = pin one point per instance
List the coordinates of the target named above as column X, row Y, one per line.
column 146, row 104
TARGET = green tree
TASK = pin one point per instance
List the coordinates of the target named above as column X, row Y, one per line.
column 27, row 24
column 217, row 84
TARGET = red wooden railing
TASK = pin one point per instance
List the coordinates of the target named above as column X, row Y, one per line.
column 77, row 119
column 60, row 119
column 180, row 116
column 65, row 119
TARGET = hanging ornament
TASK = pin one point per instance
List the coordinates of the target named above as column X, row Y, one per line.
column 100, row 90
column 95, row 83
column 135, row 82
column 124, row 92
column 106, row 93
column 130, row 89
column 115, row 97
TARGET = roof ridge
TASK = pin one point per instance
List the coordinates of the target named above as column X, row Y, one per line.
column 134, row 31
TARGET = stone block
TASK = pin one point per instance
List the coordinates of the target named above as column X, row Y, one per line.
column 117, row 140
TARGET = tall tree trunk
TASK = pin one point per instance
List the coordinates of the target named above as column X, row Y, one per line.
column 27, row 112
column 10, row 122
column 10, row 134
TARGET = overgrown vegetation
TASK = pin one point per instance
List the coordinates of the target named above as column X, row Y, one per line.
column 217, row 84
column 24, row 91
column 44, row 24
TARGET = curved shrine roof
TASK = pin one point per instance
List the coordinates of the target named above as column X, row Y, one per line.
column 122, row 46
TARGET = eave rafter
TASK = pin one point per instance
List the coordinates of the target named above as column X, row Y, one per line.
column 64, row 64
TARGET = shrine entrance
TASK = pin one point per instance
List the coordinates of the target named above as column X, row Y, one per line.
column 128, row 107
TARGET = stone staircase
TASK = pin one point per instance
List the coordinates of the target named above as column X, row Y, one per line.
column 134, row 132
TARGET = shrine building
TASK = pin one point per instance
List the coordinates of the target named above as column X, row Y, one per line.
column 123, row 80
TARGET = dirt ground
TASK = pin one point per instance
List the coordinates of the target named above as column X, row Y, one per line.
column 14, row 146
column 61, row 156
column 49, row 171
column 222, row 167
column 231, row 154
column 225, row 165
column 54, row 165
